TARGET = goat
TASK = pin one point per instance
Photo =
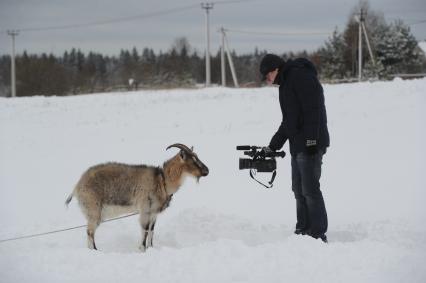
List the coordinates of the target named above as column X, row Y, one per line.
column 142, row 189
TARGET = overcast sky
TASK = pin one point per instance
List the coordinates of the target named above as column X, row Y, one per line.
column 310, row 18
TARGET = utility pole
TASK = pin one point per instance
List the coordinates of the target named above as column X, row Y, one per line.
column 225, row 46
column 368, row 44
column 361, row 30
column 361, row 20
column 13, row 33
column 207, row 7
column 222, row 57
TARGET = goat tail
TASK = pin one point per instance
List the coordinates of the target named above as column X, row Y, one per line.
column 69, row 199
column 67, row 202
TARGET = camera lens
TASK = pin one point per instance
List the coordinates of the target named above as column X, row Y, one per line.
column 245, row 163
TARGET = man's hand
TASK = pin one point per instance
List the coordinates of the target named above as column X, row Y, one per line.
column 265, row 150
column 311, row 147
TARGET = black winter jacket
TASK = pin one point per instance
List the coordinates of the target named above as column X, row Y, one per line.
column 302, row 105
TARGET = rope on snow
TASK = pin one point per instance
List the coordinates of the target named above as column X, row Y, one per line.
column 62, row 230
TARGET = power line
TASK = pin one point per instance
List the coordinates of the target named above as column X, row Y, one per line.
column 116, row 20
column 416, row 23
column 278, row 33
column 408, row 21
column 124, row 19
column 230, row 1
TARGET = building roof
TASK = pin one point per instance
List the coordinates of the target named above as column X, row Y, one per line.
column 422, row 45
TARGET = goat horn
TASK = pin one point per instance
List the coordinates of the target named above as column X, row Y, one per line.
column 181, row 146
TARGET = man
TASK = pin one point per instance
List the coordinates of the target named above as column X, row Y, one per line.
column 304, row 124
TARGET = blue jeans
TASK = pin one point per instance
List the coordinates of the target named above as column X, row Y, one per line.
column 311, row 213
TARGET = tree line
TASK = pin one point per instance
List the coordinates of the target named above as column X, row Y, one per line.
column 394, row 47
column 76, row 72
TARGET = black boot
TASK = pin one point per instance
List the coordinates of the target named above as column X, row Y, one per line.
column 300, row 231
column 323, row 238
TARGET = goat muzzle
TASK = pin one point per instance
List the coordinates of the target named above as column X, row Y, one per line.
column 204, row 171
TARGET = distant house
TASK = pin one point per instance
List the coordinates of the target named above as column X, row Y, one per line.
column 422, row 45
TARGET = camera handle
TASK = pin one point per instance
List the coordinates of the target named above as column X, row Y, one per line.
column 274, row 173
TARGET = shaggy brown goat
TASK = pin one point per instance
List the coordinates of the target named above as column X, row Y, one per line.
column 113, row 189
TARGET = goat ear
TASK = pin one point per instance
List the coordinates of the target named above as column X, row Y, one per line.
column 182, row 154
column 192, row 148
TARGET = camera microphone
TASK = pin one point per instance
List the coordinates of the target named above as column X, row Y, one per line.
column 243, row 147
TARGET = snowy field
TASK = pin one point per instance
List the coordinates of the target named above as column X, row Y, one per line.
column 227, row 228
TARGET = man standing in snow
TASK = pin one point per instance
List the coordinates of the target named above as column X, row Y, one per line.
column 304, row 124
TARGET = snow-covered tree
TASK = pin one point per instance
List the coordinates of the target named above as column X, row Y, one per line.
column 394, row 48
column 397, row 49
column 332, row 57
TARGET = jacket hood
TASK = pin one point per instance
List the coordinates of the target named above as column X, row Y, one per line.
column 296, row 63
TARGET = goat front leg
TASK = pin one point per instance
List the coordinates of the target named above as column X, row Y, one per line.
column 151, row 230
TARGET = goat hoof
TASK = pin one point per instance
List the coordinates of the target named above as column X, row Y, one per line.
column 92, row 247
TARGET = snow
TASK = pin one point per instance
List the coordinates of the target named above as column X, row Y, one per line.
column 227, row 228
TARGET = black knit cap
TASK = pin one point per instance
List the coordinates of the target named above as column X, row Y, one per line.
column 269, row 63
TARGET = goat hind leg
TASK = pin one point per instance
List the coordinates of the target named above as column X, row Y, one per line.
column 93, row 221
column 91, row 228
column 144, row 221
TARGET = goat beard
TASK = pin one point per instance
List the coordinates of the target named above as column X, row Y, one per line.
column 198, row 179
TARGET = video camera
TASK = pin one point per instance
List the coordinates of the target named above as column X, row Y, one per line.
column 260, row 161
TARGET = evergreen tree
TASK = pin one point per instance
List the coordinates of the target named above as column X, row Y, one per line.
column 331, row 56
column 397, row 49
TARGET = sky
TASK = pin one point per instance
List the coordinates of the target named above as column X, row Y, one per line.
column 108, row 26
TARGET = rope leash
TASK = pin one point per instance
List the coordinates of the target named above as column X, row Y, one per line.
column 62, row 230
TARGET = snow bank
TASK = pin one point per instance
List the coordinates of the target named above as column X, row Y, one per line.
column 227, row 228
